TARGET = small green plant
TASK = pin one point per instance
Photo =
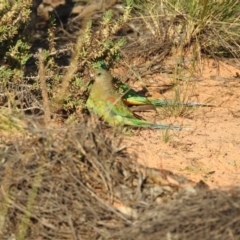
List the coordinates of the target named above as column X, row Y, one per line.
column 166, row 135
column 89, row 48
column 14, row 53
column 13, row 24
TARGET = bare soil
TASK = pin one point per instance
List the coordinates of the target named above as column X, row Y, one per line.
column 211, row 150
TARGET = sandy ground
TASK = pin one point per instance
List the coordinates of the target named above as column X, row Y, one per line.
column 210, row 151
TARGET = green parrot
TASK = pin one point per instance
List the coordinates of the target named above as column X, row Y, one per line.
column 131, row 97
column 107, row 103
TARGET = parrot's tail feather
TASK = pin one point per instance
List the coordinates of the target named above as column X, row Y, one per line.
column 158, row 103
column 145, row 124
column 158, row 126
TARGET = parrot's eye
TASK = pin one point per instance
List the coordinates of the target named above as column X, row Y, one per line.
column 99, row 74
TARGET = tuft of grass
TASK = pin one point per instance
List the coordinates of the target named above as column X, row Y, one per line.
column 166, row 135
column 210, row 26
column 180, row 94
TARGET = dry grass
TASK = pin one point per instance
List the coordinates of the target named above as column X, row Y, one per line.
column 77, row 181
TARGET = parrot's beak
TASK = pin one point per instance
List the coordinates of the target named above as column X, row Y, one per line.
column 93, row 73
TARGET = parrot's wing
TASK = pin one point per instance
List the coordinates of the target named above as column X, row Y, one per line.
column 117, row 107
column 136, row 101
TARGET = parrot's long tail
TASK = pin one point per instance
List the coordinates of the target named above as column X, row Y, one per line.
column 158, row 103
column 160, row 126
column 145, row 124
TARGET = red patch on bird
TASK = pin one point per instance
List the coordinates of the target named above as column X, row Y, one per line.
column 111, row 99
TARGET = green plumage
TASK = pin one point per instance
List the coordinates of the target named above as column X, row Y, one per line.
column 105, row 102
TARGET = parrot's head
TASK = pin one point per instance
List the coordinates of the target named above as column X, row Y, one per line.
column 102, row 76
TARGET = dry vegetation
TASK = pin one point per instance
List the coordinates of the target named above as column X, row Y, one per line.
column 66, row 176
